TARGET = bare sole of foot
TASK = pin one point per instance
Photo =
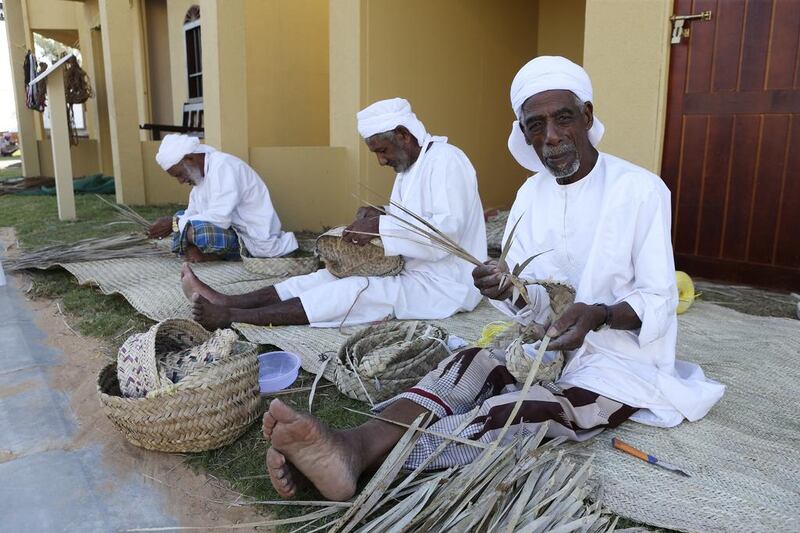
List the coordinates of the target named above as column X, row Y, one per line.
column 285, row 478
column 325, row 457
column 191, row 284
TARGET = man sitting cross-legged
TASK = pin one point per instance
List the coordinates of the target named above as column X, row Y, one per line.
column 606, row 222
column 434, row 180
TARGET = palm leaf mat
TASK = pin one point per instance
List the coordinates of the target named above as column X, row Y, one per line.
column 744, row 457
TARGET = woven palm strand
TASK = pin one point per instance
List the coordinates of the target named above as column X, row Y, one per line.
column 174, row 366
column 209, row 408
column 561, row 296
column 279, row 267
column 344, row 259
column 383, row 360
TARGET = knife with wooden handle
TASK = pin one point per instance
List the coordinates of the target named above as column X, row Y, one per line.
column 630, row 450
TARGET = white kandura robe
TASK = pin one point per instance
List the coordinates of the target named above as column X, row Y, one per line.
column 610, row 238
column 440, row 186
column 233, row 195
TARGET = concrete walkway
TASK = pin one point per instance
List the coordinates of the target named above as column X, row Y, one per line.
column 47, row 481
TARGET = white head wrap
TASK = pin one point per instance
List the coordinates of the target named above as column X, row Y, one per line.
column 176, row 146
column 546, row 73
column 386, row 115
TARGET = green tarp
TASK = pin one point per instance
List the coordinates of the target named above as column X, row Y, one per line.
column 94, row 184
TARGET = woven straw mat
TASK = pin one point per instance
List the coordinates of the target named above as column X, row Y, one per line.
column 495, row 227
column 280, row 267
column 152, row 285
column 383, row 360
column 343, row 259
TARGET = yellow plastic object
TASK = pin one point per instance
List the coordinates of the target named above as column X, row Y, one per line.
column 492, row 330
column 686, row 294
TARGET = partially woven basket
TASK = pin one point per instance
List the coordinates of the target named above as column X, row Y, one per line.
column 209, row 407
column 517, row 362
column 381, row 361
column 344, row 259
column 279, row 267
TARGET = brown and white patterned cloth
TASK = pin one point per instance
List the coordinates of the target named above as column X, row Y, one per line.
column 475, row 377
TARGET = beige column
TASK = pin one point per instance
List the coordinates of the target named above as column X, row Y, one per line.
column 347, row 79
column 59, row 142
column 117, row 27
column 225, row 75
column 18, row 44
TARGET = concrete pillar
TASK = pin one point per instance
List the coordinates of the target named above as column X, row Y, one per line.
column 225, row 75
column 117, row 27
column 18, row 44
column 346, row 81
column 59, row 141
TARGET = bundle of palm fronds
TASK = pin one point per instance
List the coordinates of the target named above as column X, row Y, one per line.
column 430, row 235
column 94, row 249
column 127, row 213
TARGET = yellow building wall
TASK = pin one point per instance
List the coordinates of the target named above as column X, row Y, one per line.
column 160, row 187
column 52, row 14
column 454, row 61
column 84, row 158
column 561, row 29
column 160, row 76
column 629, row 73
column 287, row 72
column 305, row 185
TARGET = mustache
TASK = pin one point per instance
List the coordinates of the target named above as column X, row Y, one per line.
column 548, row 151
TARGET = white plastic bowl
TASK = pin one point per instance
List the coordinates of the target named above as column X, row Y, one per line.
column 277, row 371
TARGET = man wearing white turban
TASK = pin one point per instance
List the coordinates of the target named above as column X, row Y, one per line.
column 606, row 223
column 229, row 203
column 434, row 180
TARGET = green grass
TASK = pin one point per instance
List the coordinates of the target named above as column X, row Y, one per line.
column 11, row 171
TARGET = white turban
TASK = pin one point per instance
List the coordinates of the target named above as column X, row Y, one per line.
column 386, row 115
column 546, row 73
column 176, row 146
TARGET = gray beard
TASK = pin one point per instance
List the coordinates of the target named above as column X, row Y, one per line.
column 194, row 175
column 561, row 172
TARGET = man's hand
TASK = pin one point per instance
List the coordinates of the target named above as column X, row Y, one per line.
column 362, row 230
column 368, row 212
column 487, row 279
column 160, row 228
column 569, row 331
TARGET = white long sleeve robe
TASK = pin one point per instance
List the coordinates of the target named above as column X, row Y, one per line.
column 610, row 238
column 441, row 187
column 233, row 195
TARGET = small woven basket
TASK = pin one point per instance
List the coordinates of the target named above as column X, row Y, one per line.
column 383, row 360
column 280, row 267
column 209, row 407
column 344, row 259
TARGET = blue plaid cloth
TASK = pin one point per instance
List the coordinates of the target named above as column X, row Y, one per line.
column 209, row 239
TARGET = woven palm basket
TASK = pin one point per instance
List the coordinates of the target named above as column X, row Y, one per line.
column 210, row 406
column 344, row 259
column 279, row 267
column 511, row 340
column 383, row 360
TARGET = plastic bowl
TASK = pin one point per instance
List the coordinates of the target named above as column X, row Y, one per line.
column 277, row 371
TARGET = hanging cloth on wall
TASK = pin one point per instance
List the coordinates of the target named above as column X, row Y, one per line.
column 34, row 96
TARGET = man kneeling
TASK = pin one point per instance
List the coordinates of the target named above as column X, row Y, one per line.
column 436, row 181
column 229, row 203
column 606, row 222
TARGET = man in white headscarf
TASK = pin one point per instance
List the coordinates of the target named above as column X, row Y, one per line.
column 229, row 203
column 434, row 180
column 606, row 223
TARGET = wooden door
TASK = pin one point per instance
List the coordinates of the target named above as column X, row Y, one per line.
column 732, row 142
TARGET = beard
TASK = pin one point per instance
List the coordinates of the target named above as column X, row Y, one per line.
column 193, row 174
column 562, row 171
column 401, row 164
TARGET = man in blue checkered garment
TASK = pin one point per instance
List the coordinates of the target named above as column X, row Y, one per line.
column 230, row 212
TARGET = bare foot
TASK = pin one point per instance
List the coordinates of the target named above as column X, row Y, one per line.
column 209, row 315
column 267, row 425
column 191, row 284
column 286, row 479
column 327, row 458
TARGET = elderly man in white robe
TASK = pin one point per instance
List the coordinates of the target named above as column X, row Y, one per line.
column 230, row 212
column 436, row 181
column 607, row 224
